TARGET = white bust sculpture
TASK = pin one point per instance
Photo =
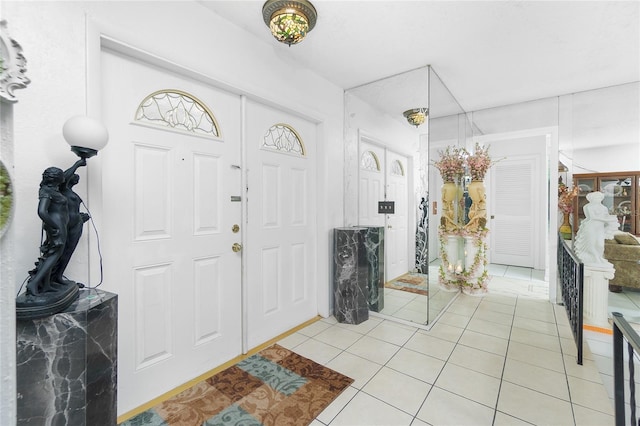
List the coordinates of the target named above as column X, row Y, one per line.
column 597, row 226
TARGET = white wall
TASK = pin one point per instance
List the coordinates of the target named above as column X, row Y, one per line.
column 56, row 38
column 601, row 129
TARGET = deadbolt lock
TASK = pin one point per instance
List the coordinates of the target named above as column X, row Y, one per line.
column 235, row 229
column 236, row 247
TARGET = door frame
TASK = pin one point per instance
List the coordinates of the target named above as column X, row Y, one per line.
column 100, row 35
column 549, row 195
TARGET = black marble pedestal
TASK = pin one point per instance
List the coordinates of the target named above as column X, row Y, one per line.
column 350, row 293
column 374, row 247
column 67, row 364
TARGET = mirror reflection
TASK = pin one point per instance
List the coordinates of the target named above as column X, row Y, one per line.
column 387, row 126
column 527, row 140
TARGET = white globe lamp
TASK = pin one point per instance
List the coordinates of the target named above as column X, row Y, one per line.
column 86, row 135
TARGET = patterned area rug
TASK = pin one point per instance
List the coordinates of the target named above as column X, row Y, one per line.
column 411, row 282
column 273, row 387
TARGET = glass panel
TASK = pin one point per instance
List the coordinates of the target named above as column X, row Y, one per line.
column 177, row 110
column 369, row 161
column 585, row 186
column 281, row 137
column 397, row 169
column 618, row 194
column 374, row 114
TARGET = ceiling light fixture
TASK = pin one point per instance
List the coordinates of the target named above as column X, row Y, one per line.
column 289, row 21
column 416, row 116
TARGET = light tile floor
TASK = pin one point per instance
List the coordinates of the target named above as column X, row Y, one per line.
column 507, row 358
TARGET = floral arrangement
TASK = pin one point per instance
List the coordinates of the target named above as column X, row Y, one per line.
column 479, row 162
column 451, row 163
column 565, row 198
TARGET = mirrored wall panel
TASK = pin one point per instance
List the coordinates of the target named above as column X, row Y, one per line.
column 387, row 132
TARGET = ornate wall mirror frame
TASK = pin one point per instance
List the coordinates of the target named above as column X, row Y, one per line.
column 12, row 77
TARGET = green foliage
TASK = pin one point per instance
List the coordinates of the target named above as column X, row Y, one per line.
column 6, row 196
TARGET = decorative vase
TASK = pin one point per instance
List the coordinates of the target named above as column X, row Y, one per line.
column 448, row 218
column 478, row 210
column 477, row 192
column 565, row 228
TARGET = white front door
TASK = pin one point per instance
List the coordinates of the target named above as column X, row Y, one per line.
column 517, row 200
column 281, row 241
column 168, row 218
column 396, row 235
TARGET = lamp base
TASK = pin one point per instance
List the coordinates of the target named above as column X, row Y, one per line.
column 46, row 304
column 84, row 152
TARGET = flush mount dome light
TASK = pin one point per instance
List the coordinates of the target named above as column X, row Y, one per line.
column 289, row 21
column 416, row 116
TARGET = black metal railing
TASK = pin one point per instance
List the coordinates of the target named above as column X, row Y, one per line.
column 623, row 331
column 571, row 276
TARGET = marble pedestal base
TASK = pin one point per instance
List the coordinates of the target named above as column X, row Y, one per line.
column 596, row 294
column 66, row 364
column 350, row 292
column 374, row 248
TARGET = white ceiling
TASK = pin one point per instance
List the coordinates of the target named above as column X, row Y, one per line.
column 488, row 53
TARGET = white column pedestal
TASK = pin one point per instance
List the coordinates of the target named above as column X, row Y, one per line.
column 452, row 256
column 596, row 294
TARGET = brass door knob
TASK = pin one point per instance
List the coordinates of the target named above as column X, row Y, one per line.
column 236, row 247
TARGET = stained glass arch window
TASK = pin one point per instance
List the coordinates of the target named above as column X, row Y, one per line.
column 178, row 110
column 369, row 161
column 397, row 169
column 284, row 138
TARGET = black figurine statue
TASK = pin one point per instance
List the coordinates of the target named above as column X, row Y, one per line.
column 75, row 223
column 53, row 210
column 48, row 291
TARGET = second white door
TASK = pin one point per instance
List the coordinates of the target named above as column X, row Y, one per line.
column 281, row 253
column 397, row 237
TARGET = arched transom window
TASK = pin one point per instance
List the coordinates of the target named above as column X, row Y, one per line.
column 283, row 138
column 178, row 110
column 369, row 161
column 397, row 169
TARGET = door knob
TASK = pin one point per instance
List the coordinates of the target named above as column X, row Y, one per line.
column 236, row 247
column 389, row 226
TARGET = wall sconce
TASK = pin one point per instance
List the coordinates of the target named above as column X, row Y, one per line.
column 49, row 291
column 416, row 116
column 289, row 20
